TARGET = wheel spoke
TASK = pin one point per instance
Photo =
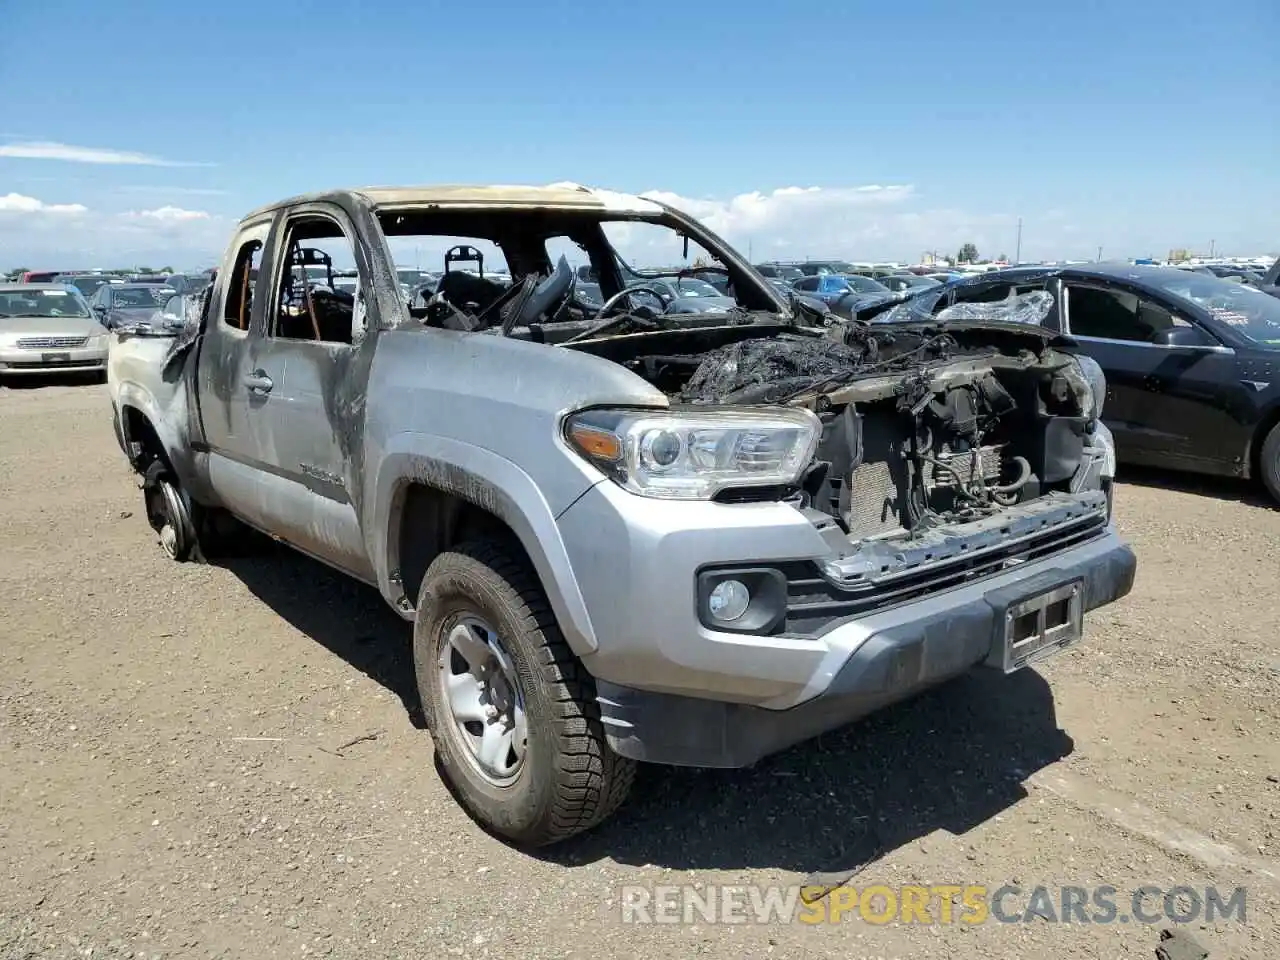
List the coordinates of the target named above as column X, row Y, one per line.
column 464, row 697
column 519, row 732
column 495, row 748
column 471, row 645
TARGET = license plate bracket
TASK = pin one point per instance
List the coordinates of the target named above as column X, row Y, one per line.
column 1038, row 626
column 55, row 357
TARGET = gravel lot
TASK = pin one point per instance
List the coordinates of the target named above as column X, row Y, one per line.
column 172, row 783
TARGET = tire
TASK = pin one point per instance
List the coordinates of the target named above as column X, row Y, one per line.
column 1269, row 462
column 187, row 531
column 567, row 779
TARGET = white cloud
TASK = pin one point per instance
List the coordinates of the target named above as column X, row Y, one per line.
column 869, row 222
column 68, row 236
column 17, row 203
column 874, row 222
column 168, row 214
column 47, row 150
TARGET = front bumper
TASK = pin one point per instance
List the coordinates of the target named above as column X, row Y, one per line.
column 894, row 655
column 89, row 359
column 676, row 690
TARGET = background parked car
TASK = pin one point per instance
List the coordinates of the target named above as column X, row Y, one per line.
column 814, row 268
column 589, row 293
column 86, row 283
column 1230, row 271
column 39, row 276
column 843, row 294
column 189, row 282
column 117, row 303
column 907, row 282
column 686, row 294
column 48, row 328
column 779, row 271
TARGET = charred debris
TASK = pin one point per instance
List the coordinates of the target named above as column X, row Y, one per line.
column 926, row 423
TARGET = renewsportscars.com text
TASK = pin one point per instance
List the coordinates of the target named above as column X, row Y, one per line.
column 970, row 904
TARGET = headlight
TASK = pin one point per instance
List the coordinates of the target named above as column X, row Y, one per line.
column 1097, row 384
column 694, row 455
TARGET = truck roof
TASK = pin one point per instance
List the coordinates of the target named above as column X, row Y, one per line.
column 553, row 196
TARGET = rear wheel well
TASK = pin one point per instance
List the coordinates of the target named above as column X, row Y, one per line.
column 433, row 521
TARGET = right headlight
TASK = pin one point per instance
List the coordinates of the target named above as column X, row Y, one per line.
column 693, row 455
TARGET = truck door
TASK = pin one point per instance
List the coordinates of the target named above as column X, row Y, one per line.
column 309, row 354
column 238, row 372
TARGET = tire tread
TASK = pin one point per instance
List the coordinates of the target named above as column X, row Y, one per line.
column 590, row 780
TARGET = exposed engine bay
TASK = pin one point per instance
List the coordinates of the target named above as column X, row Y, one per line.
column 922, row 425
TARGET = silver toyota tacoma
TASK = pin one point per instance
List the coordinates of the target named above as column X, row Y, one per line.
column 621, row 533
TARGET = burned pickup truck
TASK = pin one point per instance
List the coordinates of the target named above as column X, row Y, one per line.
column 622, row 534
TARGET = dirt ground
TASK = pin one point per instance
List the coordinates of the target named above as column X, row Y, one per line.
column 173, row 781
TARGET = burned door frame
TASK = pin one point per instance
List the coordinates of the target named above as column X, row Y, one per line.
column 233, row 414
column 313, row 476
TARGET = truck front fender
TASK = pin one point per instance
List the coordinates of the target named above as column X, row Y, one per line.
column 491, row 482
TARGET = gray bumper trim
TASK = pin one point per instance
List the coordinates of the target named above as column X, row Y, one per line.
column 892, row 664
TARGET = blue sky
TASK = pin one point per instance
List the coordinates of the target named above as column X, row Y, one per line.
column 1135, row 126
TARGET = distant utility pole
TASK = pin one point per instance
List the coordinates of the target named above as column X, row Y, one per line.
column 751, row 247
column 1211, row 243
column 1017, row 255
column 1099, row 255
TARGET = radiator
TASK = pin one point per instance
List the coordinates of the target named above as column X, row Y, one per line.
column 983, row 462
column 873, row 509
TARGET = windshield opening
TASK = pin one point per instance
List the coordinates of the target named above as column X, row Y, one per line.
column 42, row 303
column 1247, row 310
column 611, row 250
column 132, row 297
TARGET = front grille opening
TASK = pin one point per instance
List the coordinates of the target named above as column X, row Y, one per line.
column 813, row 602
column 51, row 343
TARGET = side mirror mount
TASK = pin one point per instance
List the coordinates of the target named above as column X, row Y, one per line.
column 1188, row 336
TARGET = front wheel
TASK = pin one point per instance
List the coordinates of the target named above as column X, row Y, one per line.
column 512, row 712
column 169, row 513
column 1269, row 462
column 188, row 531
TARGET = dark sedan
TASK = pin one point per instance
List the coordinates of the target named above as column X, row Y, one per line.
column 118, row 303
column 1192, row 361
column 686, row 294
column 844, row 294
column 907, row 282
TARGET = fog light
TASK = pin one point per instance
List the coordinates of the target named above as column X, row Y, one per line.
column 729, row 600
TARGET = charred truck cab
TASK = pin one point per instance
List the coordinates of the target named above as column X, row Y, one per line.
column 625, row 533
